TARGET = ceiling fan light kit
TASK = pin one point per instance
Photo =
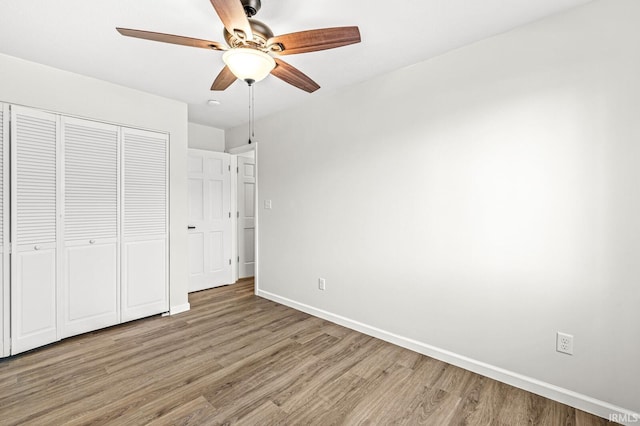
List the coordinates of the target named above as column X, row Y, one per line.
column 249, row 65
column 251, row 45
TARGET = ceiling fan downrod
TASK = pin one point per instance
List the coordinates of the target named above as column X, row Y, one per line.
column 251, row 7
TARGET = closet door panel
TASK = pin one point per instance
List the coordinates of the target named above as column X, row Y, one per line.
column 90, row 294
column 33, row 318
column 90, row 180
column 144, row 224
column 143, row 289
column 34, row 171
column 92, row 297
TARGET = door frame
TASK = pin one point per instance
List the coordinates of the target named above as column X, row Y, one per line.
column 5, row 279
column 234, row 202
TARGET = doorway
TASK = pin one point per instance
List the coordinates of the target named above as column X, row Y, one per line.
column 246, row 226
column 245, row 192
column 222, row 232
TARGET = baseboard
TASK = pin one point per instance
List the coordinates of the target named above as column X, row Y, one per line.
column 556, row 393
column 174, row 310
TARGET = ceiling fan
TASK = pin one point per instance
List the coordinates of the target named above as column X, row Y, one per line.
column 252, row 51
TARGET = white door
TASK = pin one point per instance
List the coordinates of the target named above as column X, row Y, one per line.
column 145, row 289
column 246, row 216
column 209, row 219
column 4, row 230
column 34, row 200
column 90, row 287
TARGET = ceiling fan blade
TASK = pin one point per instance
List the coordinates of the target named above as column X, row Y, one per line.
column 173, row 39
column 293, row 76
column 224, row 79
column 232, row 15
column 314, row 40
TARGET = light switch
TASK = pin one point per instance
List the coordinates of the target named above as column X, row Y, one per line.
column 267, row 204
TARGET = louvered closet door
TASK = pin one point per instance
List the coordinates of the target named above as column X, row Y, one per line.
column 144, row 224
column 34, row 175
column 90, row 291
column 4, row 230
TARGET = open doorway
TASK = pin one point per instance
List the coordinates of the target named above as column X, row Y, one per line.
column 246, row 226
column 244, row 190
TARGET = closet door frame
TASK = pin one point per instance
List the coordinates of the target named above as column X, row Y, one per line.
column 5, row 278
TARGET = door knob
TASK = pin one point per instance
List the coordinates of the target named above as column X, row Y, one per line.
column 191, row 227
column 36, row 247
column 92, row 241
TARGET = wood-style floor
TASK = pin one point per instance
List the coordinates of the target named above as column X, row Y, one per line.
column 238, row 359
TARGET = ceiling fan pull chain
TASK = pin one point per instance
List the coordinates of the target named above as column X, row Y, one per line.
column 251, row 108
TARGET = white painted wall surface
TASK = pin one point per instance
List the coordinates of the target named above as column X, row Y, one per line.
column 206, row 137
column 476, row 203
column 39, row 86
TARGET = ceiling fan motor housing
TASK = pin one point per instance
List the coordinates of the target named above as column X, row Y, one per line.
column 261, row 33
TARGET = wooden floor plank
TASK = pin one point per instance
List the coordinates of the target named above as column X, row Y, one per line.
column 198, row 411
column 266, row 414
column 235, row 358
column 513, row 410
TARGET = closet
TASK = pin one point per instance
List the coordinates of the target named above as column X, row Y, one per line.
column 88, row 226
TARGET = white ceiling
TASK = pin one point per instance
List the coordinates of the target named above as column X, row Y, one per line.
column 80, row 36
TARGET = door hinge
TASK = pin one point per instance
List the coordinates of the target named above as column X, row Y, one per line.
column 229, row 261
column 238, row 259
column 238, row 169
column 229, row 167
column 229, row 215
column 238, row 214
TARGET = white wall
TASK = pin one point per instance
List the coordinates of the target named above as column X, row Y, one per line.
column 39, row 86
column 474, row 204
column 205, row 137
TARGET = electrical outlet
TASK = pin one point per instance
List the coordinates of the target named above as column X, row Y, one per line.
column 321, row 284
column 564, row 343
